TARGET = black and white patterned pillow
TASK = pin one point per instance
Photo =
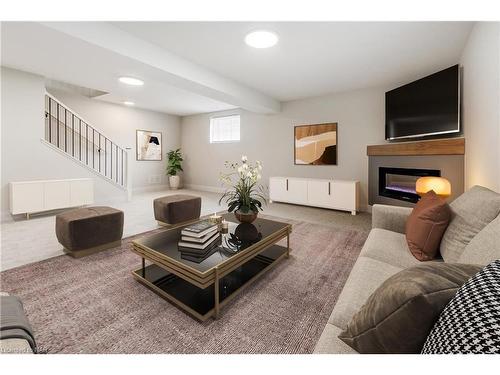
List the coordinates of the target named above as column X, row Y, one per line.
column 470, row 323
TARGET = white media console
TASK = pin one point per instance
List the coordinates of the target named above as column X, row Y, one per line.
column 27, row 197
column 334, row 194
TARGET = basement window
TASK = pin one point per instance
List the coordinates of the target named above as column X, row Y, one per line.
column 225, row 129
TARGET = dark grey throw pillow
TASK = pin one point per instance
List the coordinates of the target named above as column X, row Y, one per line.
column 399, row 315
column 470, row 324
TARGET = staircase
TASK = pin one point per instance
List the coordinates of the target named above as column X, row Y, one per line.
column 69, row 134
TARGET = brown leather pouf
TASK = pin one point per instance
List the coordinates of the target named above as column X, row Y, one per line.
column 175, row 209
column 87, row 230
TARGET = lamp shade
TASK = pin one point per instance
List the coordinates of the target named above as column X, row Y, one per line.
column 440, row 185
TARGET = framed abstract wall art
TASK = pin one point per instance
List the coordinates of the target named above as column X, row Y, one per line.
column 316, row 144
column 148, row 145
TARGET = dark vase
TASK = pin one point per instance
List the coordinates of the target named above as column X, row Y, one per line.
column 247, row 234
column 245, row 217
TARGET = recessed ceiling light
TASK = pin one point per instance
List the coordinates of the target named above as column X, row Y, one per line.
column 131, row 81
column 128, row 103
column 261, row 39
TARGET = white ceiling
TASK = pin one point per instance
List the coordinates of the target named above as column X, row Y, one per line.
column 196, row 67
column 38, row 49
column 313, row 58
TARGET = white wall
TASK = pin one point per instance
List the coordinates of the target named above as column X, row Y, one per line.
column 481, row 105
column 25, row 157
column 360, row 117
column 270, row 139
column 120, row 124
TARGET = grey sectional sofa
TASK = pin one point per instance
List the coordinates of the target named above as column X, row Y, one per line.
column 15, row 330
column 473, row 236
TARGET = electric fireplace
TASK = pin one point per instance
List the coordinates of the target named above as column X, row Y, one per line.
column 399, row 183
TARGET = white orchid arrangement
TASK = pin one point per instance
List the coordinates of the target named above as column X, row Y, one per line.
column 244, row 193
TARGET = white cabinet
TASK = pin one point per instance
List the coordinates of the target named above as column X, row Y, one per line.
column 342, row 194
column 297, row 191
column 334, row 194
column 292, row 190
column 26, row 198
column 279, row 190
column 319, row 193
column 56, row 194
column 36, row 196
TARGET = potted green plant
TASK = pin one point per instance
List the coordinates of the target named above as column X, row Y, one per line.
column 244, row 195
column 173, row 167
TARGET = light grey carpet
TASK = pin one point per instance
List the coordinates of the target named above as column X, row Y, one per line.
column 93, row 305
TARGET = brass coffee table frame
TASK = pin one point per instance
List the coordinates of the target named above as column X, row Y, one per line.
column 211, row 276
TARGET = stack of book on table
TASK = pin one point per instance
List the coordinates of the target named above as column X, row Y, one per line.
column 198, row 240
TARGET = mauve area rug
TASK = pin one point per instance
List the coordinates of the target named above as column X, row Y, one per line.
column 93, row 305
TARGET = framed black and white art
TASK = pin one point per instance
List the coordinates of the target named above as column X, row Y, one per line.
column 148, row 145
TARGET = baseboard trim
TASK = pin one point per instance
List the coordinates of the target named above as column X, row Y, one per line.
column 211, row 189
column 148, row 189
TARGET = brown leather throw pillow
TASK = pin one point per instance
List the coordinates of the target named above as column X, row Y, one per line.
column 426, row 225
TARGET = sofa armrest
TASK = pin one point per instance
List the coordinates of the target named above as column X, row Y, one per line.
column 392, row 218
column 15, row 346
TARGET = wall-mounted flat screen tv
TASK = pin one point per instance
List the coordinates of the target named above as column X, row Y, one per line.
column 429, row 106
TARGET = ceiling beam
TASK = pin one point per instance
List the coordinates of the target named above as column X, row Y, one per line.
column 175, row 70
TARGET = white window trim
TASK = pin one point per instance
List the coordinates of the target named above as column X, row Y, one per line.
column 222, row 116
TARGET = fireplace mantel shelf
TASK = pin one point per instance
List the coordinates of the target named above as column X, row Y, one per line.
column 449, row 146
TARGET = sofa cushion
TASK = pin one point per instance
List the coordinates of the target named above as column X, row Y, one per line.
column 485, row 247
column 425, row 226
column 366, row 276
column 392, row 218
column 399, row 315
column 329, row 342
column 471, row 212
column 388, row 247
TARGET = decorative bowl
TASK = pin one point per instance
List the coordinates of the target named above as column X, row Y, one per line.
column 245, row 217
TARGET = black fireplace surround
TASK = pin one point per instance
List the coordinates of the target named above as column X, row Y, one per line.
column 399, row 183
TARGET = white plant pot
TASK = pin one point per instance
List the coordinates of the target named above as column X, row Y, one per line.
column 174, row 182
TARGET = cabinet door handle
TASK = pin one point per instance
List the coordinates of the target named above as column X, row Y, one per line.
column 287, row 184
column 329, row 188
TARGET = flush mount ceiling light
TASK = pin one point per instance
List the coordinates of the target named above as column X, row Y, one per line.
column 261, row 39
column 131, row 81
column 128, row 103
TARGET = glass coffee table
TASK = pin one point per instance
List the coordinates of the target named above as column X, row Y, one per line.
column 203, row 287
